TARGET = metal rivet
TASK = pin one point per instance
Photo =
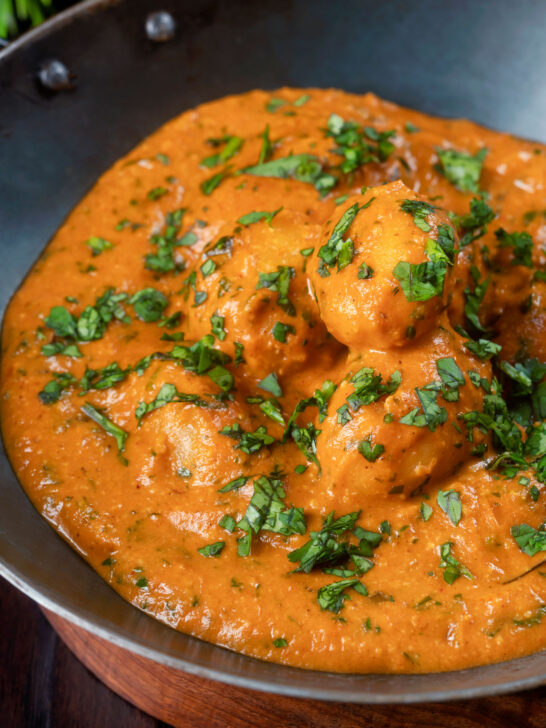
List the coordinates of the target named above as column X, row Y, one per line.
column 160, row 26
column 55, row 76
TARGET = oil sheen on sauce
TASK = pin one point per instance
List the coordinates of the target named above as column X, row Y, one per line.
column 256, row 381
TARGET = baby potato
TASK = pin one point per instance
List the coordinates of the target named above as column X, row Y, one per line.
column 382, row 267
column 393, row 427
column 255, row 284
column 178, row 414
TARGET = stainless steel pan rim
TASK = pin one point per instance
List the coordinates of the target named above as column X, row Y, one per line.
column 143, row 636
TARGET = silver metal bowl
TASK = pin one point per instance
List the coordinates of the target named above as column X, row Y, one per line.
column 467, row 58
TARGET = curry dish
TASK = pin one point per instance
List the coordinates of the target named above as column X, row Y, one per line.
column 280, row 379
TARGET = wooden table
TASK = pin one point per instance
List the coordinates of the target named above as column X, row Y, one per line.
column 42, row 685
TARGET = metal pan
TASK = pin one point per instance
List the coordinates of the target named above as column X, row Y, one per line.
column 471, row 58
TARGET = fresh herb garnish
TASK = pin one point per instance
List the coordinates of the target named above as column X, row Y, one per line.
column 232, row 145
column 453, row 569
column 461, row 169
column 337, row 250
column 450, row 502
column 107, row 425
column 371, row 453
column 149, row 304
column 420, row 210
column 253, row 217
column 280, row 331
column 530, row 540
column 301, row 167
column 168, row 393
column 212, row 549
column 248, row 442
column 521, row 244
column 271, row 384
column 369, row 387
column 279, row 281
column 55, row 387
column 98, row 245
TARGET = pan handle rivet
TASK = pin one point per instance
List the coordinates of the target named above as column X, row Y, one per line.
column 160, row 26
column 55, row 76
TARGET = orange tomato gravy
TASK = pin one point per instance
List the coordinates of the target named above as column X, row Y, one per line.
column 444, row 580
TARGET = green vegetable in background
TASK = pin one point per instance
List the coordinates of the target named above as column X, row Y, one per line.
column 13, row 13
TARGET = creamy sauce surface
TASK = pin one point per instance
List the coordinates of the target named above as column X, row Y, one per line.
column 256, row 380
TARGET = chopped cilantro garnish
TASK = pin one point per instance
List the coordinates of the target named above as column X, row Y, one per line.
column 271, row 384
column 358, row 145
column 483, row 348
column 337, row 250
column 365, row 272
column 332, row 596
column 98, row 245
column 473, row 225
column 157, row 193
column 207, row 268
column 55, row 387
column 103, row 378
column 234, row 484
column 279, row 281
column 107, row 425
column 211, row 183
column 369, row 387
column 530, row 540
column 301, row 167
column 425, row 511
column 217, row 326
column 280, row 331
column 420, row 210
column 421, row 281
column 232, row 145
column 450, row 502
column 453, row 569
column 371, row 453
column 168, row 393
column 521, row 244
column 212, row 549
column 248, row 442
column 253, row 217
column 149, row 304
column 461, row 169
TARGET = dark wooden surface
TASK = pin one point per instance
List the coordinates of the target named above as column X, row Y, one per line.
column 42, row 684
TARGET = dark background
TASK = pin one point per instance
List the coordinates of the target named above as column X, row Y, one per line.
column 42, row 684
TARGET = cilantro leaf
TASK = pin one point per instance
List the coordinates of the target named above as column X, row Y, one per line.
column 461, row 169
column 168, row 393
column 55, row 387
column 271, row 384
column 107, row 425
column 421, row 281
column 420, row 210
column 301, row 167
column 453, row 569
column 149, row 304
column 253, row 217
column 279, row 281
column 450, row 502
column 232, row 145
column 332, row 596
column 98, row 245
column 521, row 244
column 370, row 453
column 212, row 549
column 530, row 540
